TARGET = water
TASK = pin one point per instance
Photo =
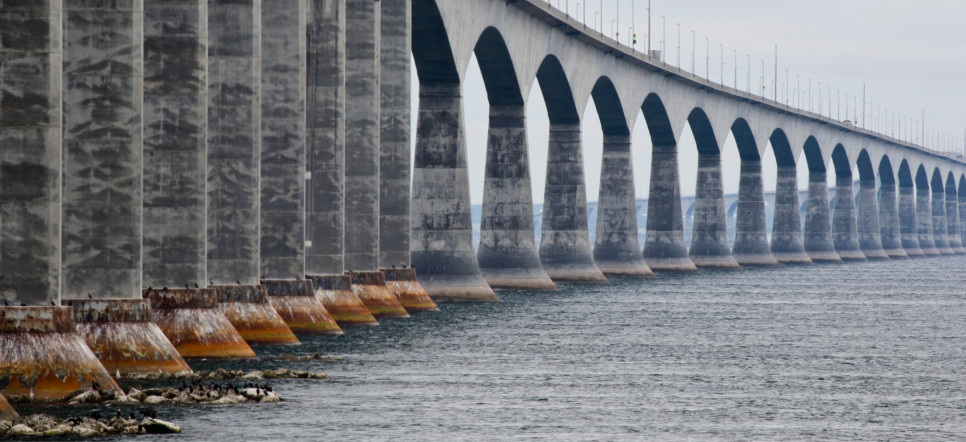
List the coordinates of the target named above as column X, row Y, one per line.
column 862, row 351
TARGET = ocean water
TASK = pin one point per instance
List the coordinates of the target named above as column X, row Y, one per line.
column 863, row 351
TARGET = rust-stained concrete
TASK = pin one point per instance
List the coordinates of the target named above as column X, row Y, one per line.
column 412, row 296
column 371, row 288
column 248, row 309
column 193, row 322
column 296, row 303
column 336, row 295
column 7, row 413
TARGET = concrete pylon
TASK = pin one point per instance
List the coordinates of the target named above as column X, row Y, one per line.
column 193, row 321
column 818, row 222
column 507, row 253
column 335, row 293
column 908, row 224
column 564, row 238
column 924, row 221
column 709, row 239
column 616, row 249
column 103, row 79
column 961, row 205
column 939, row 220
column 7, row 413
column 411, row 295
column 787, row 244
column 249, row 310
column 664, row 248
column 371, row 288
column 299, row 305
column 867, row 221
column 41, row 354
column 442, row 241
column 844, row 229
column 751, row 228
column 953, row 234
column 889, row 230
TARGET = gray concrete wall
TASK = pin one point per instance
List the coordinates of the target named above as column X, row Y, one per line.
column 103, row 77
column 30, row 152
column 394, row 133
column 282, row 193
column 362, row 153
column 175, row 136
column 818, row 222
column 325, row 137
column 787, row 243
column 664, row 248
column 616, row 250
column 867, row 221
column 234, row 140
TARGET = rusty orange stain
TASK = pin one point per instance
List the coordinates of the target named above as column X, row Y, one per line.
column 411, row 294
column 7, row 413
column 296, row 303
column 371, row 288
column 195, row 325
column 335, row 292
column 250, row 312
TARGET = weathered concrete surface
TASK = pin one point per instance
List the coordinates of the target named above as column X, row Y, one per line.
column 924, row 221
column 818, row 223
column 194, row 323
column 787, row 243
column 412, row 296
column 248, row 309
column 394, row 133
column 664, row 248
column 507, row 253
column 616, row 250
column 282, row 192
column 335, row 293
column 442, row 241
column 103, row 78
column 709, row 239
column 867, row 221
column 122, row 336
column 296, row 303
column 30, row 152
column 889, row 230
column 564, row 240
column 362, row 153
column 952, row 220
column 7, row 413
column 325, row 137
column 175, row 138
column 43, row 358
column 751, row 228
column 961, row 197
column 908, row 224
column 371, row 288
column 939, row 220
column 234, row 138
column 844, row 230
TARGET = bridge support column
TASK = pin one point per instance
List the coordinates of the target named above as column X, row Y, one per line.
column 709, row 240
column 867, row 222
column 844, row 230
column 564, row 239
column 371, row 288
column 442, row 241
column 924, row 224
column 961, row 205
column 193, row 321
column 335, row 293
column 787, row 245
column 616, row 250
column 7, row 413
column 818, row 224
column 889, row 220
column 411, row 294
column 248, row 309
column 664, row 248
column 908, row 224
column 953, row 235
column 507, row 254
column 299, row 305
column 939, row 221
column 751, row 228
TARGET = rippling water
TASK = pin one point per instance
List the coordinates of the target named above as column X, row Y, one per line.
column 857, row 351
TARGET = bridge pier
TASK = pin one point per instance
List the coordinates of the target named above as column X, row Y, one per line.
column 664, row 248
column 787, row 243
column 889, row 229
column 507, row 254
column 908, row 224
column 194, row 323
column 616, row 250
column 248, row 309
column 953, row 235
column 924, row 221
column 411, row 295
column 371, row 288
column 564, row 239
column 442, row 241
column 939, row 219
column 818, row 223
column 298, row 303
column 751, row 228
column 867, row 221
column 844, row 230
column 709, row 240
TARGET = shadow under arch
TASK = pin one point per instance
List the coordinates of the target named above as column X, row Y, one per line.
column 703, row 132
column 557, row 93
column 432, row 52
column 745, row 139
column 841, row 162
column 609, row 108
column 887, row 174
column 658, row 122
column 499, row 74
column 864, row 165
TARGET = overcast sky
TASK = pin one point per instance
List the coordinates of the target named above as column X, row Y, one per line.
column 910, row 54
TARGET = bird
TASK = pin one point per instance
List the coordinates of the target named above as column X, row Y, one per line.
column 165, row 289
column 394, row 266
column 237, row 282
column 52, row 303
column 5, row 303
column 186, row 286
column 118, row 412
column 149, row 288
column 210, row 282
column 89, row 295
column 196, row 285
column 23, row 305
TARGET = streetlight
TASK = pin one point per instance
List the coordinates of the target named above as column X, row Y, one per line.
column 679, row 44
column 612, row 34
column 578, row 11
column 736, row 68
column 693, row 47
column 596, row 13
column 663, row 37
column 749, row 73
column 707, row 58
column 721, row 78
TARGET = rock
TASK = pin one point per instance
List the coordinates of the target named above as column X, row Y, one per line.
column 270, row 398
column 154, row 391
column 231, row 399
column 21, row 430
column 254, row 375
column 125, row 400
column 157, row 426
column 87, row 397
column 156, row 400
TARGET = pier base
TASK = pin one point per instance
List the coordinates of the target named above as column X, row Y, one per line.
column 371, row 288
column 297, row 305
column 249, row 311
column 412, row 296
column 194, row 323
column 42, row 357
column 122, row 336
column 335, row 293
column 7, row 413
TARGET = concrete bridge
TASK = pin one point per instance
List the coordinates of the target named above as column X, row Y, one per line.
column 183, row 178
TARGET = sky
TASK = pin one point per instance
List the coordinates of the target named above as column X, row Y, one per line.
column 910, row 55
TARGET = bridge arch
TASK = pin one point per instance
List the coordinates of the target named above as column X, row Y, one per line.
column 813, row 156
column 703, row 132
column 658, row 121
column 864, row 165
column 887, row 175
column 609, row 108
column 431, row 49
column 841, row 162
column 499, row 74
column 557, row 92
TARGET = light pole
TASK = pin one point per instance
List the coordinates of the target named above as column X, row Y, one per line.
column 663, row 38
column 721, row 78
column 707, row 59
column 612, row 34
column 749, row 73
column 763, row 79
column 578, row 12
column 596, row 13
column 693, row 47
column 820, row 98
column 630, row 35
column 736, row 68
column 679, row 44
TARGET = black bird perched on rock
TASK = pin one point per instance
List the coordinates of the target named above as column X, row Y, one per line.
column 52, row 303
column 89, row 295
column 148, row 412
column 186, row 286
column 131, row 416
column 196, row 285
column 96, row 415
column 5, row 303
column 118, row 412
column 237, row 282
